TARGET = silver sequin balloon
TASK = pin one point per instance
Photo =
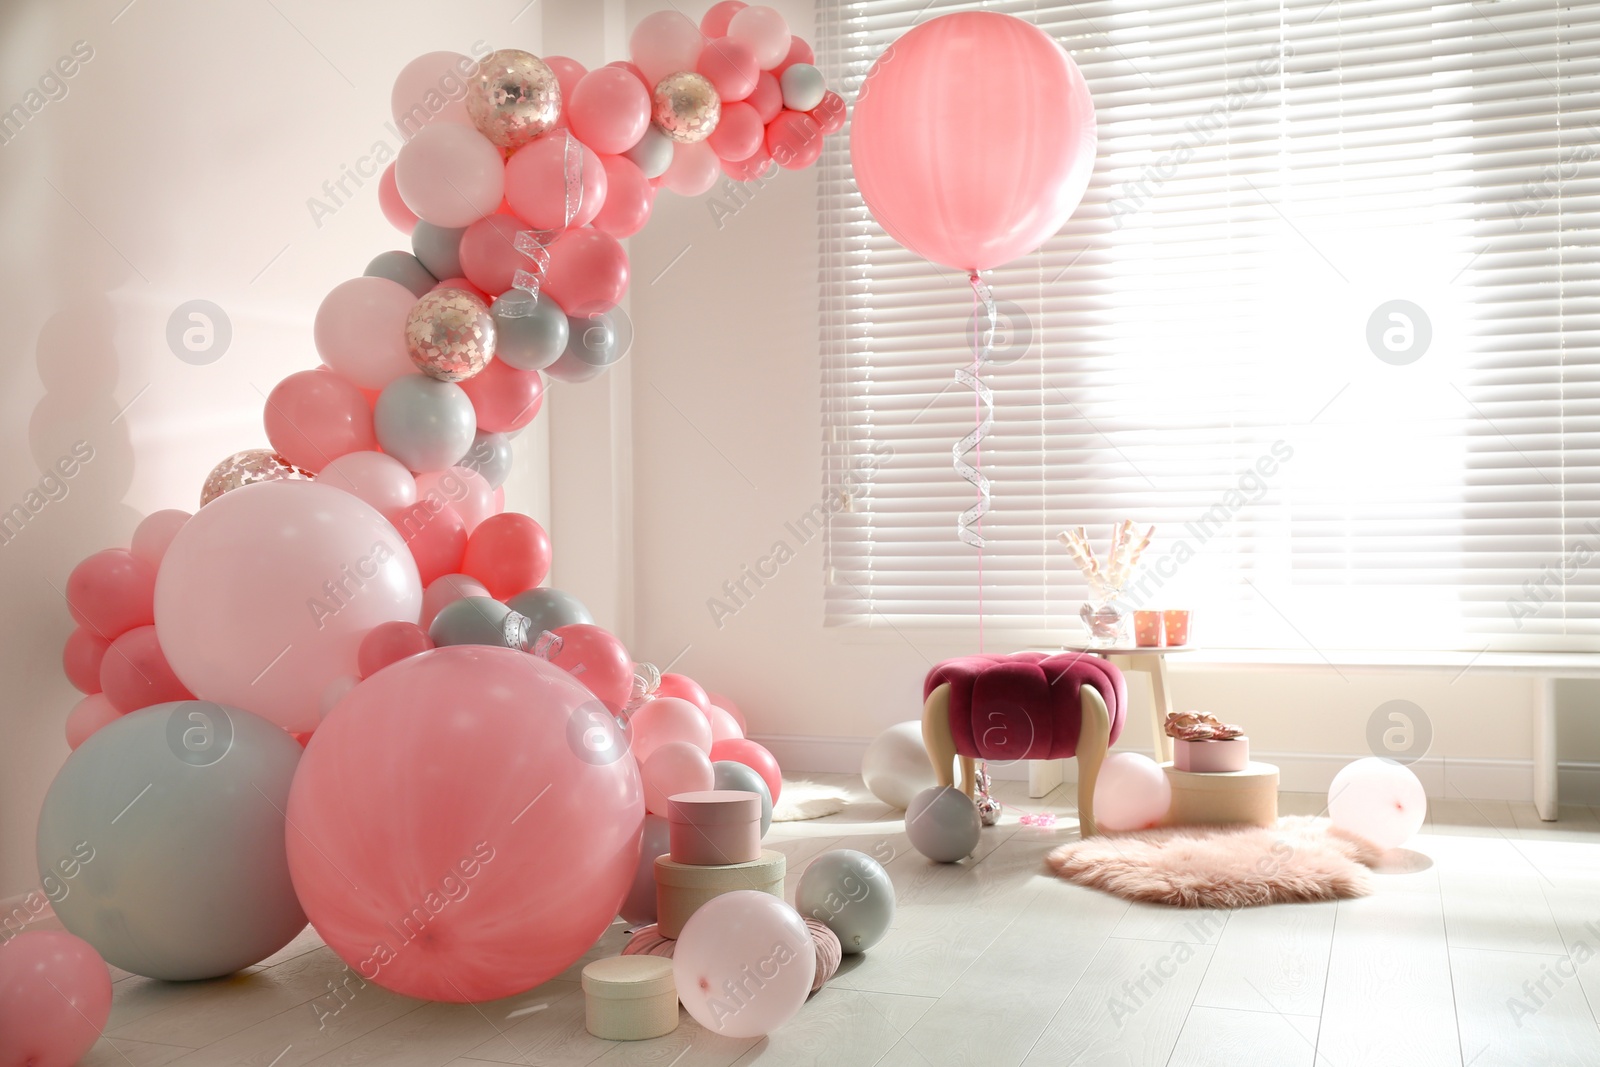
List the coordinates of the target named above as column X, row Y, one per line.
column 247, row 467
column 450, row 335
column 514, row 97
column 687, row 107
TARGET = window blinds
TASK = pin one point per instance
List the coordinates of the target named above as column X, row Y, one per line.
column 1326, row 317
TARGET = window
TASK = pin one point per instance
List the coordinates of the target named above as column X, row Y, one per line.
column 1326, row 318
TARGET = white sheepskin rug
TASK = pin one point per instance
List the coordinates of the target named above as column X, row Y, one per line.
column 1301, row 859
column 799, row 801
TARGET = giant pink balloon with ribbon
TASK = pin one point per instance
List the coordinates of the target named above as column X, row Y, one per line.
column 973, row 139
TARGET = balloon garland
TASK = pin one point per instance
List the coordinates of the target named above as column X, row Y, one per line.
column 364, row 560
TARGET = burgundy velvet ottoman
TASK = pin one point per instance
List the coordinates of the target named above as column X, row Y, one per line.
column 1023, row 706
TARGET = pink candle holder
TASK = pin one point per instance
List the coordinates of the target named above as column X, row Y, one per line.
column 1176, row 623
column 1147, row 629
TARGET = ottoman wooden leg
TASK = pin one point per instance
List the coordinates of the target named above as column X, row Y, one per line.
column 1094, row 737
column 936, row 734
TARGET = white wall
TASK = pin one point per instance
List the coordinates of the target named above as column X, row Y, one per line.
column 727, row 448
column 177, row 166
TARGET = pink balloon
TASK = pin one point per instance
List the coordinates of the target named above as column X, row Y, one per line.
column 684, row 688
column 1131, row 793
column 724, row 727
column 490, row 847
column 693, row 170
column 1378, row 799
column 431, row 88
column 794, row 139
column 830, row 114
column 381, row 481
column 489, row 255
column 1020, row 163
column 463, row 489
column 588, row 272
column 447, row 589
column 739, row 134
column 81, row 659
column 135, row 674
column 667, row 719
column 755, row 757
column 735, row 935
column 536, row 183
column 731, row 68
column 313, row 418
column 598, row 660
column 765, row 32
column 435, row 536
column 111, row 592
column 509, row 553
column 767, row 97
column 390, row 642
column 505, row 398
column 609, row 110
column 799, row 52
column 672, row 768
column 360, row 331
column 631, row 68
column 450, row 175
column 394, row 209
column 155, row 532
column 87, row 716
column 714, row 23
column 628, row 198
column 726, row 703
column 664, row 43
column 266, row 593
column 568, row 73
column 55, row 998
column 748, row 170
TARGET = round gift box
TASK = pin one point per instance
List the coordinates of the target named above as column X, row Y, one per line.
column 630, row 998
column 682, row 887
column 715, row 826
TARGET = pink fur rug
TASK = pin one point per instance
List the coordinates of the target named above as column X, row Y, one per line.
column 1301, row 859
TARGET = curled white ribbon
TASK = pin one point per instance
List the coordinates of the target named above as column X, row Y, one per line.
column 534, row 244
column 968, row 377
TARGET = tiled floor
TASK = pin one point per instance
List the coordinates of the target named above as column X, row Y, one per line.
column 1481, row 947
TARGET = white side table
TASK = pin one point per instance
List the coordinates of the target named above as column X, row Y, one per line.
column 1153, row 663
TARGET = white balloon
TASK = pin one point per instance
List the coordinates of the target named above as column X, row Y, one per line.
column 896, row 766
column 1378, row 799
column 1131, row 793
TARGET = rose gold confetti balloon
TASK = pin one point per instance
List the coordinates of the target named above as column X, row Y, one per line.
column 513, row 98
column 246, row 468
column 450, row 334
column 687, row 107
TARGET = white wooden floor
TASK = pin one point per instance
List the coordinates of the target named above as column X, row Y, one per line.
column 1481, row 948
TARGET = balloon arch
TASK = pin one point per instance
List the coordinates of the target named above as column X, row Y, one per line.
column 479, row 757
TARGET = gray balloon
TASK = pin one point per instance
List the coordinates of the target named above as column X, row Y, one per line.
column 639, row 907
column 803, row 87
column 730, row 775
column 402, row 267
column 438, row 249
column 162, row 837
column 594, row 342
column 849, row 892
column 490, row 456
column 474, row 620
column 530, row 331
column 653, row 153
column 943, row 824
column 547, row 609
column 424, row 423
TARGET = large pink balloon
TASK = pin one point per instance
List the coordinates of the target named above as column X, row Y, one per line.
column 588, row 272
column 1131, row 793
column 609, row 110
column 431, row 88
column 55, row 998
column 726, row 942
column 973, row 139
column 454, row 837
column 450, row 175
column 381, row 481
column 314, row 417
column 537, row 186
column 265, row 595
column 360, row 331
column 664, row 43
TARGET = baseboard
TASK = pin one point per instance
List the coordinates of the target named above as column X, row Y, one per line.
column 1299, row 772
